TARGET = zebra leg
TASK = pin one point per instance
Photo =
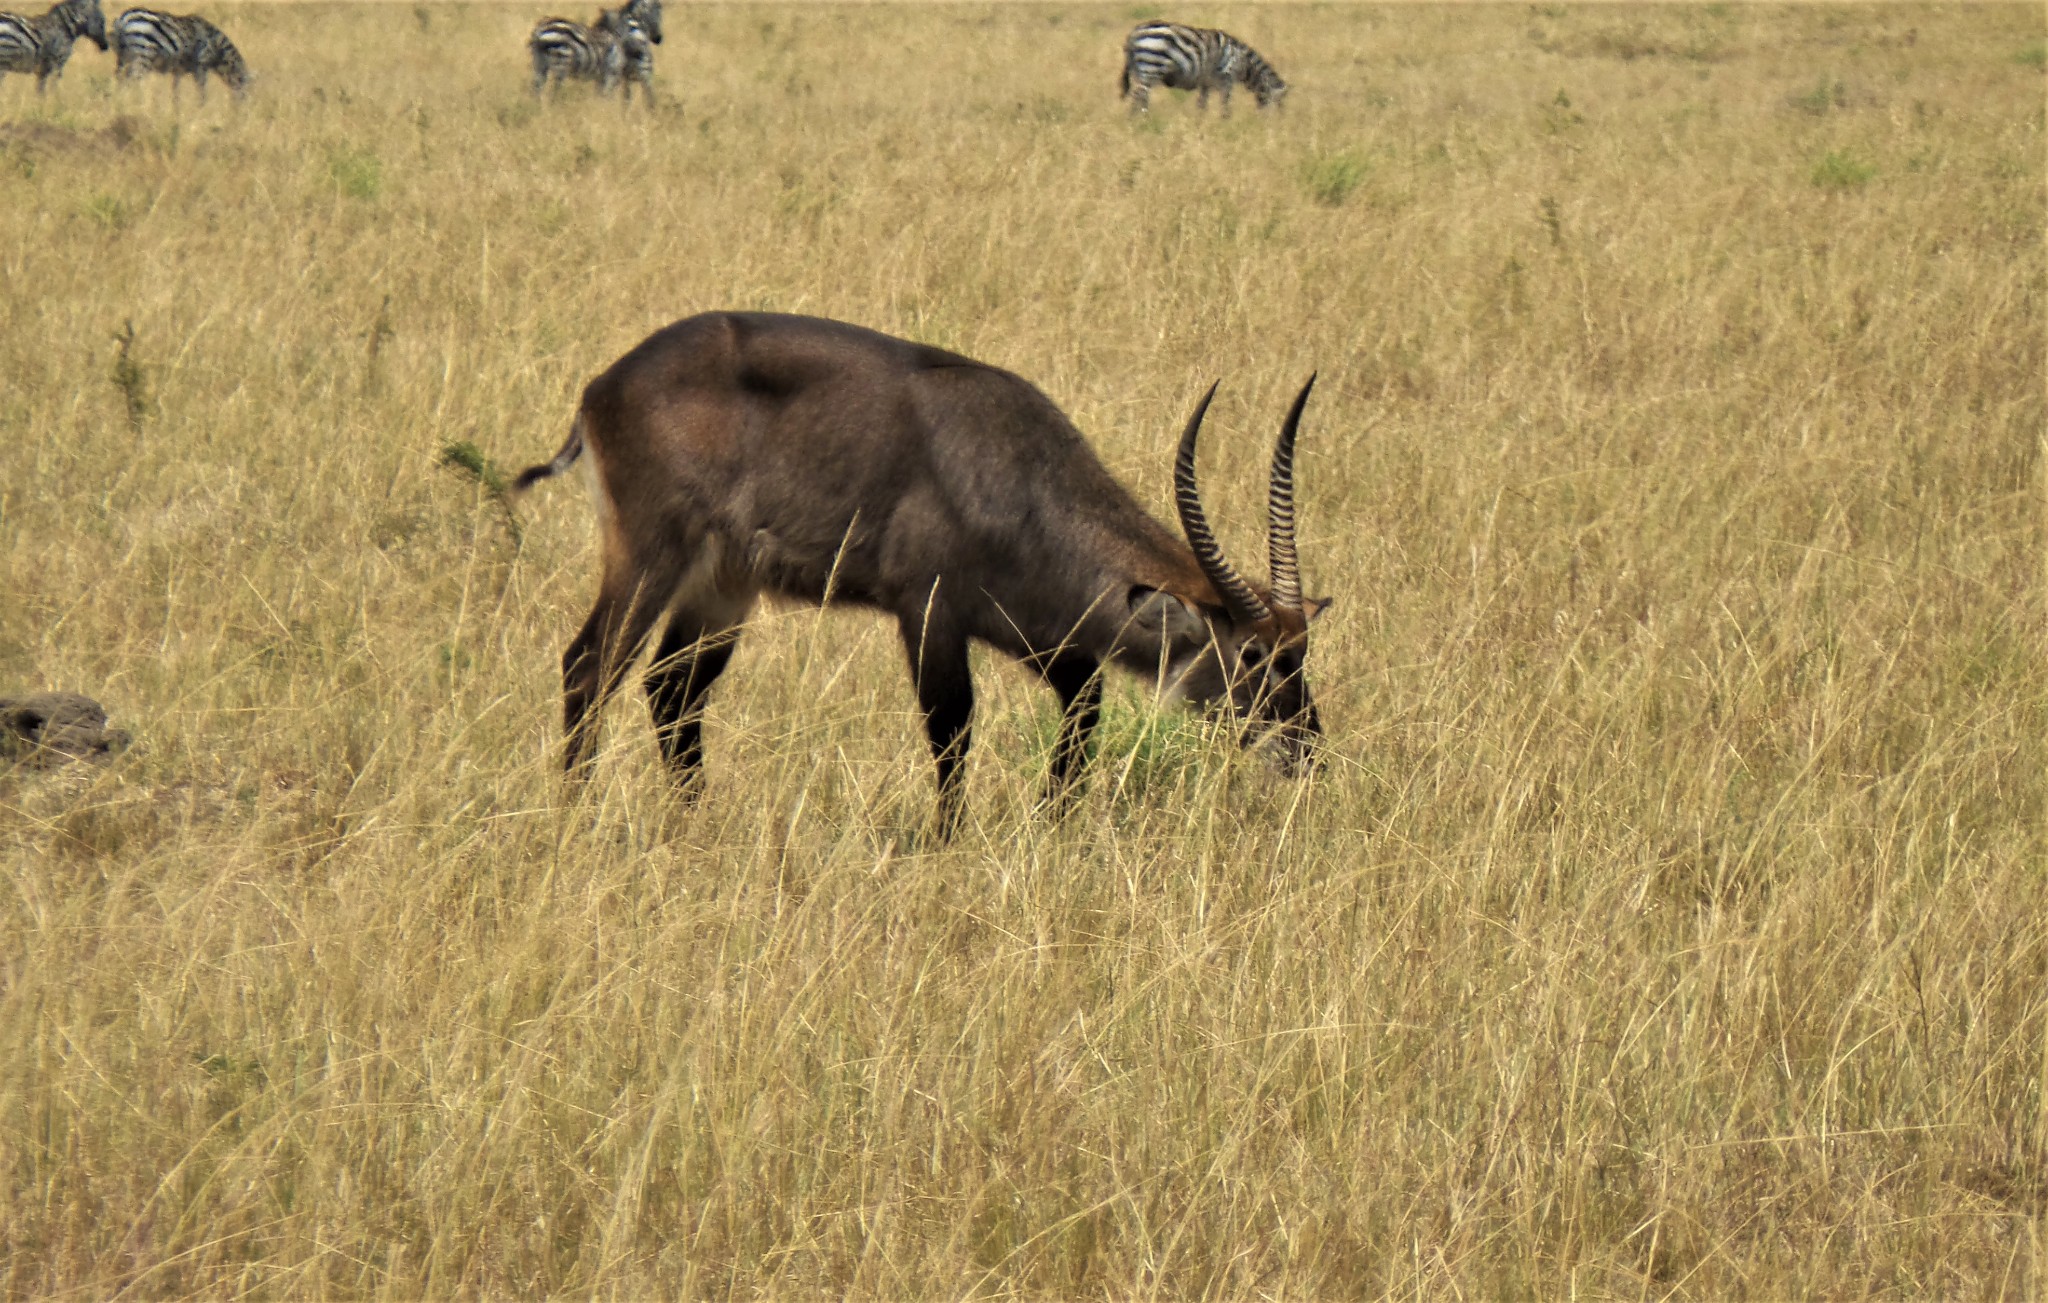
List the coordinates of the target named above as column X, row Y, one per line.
column 1226, row 99
column 1140, row 95
column 199, row 79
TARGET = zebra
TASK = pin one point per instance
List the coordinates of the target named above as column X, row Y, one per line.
column 181, row 45
column 636, row 54
column 1197, row 59
column 615, row 49
column 42, row 45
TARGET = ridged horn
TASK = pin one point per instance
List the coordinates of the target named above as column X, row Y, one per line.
column 1245, row 605
column 1286, row 567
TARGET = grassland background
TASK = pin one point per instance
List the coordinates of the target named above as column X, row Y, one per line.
column 1670, row 921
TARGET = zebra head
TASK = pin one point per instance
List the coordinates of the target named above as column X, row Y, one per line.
column 647, row 13
column 237, row 75
column 229, row 64
column 1265, row 84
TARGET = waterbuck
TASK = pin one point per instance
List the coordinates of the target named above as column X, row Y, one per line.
column 741, row 453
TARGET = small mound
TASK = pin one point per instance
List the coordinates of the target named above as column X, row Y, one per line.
column 122, row 132
column 55, row 728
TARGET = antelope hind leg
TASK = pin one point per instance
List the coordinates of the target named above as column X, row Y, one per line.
column 693, row 652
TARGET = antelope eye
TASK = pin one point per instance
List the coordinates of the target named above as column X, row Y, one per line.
column 1252, row 653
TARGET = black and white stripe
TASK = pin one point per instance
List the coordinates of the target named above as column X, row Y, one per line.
column 647, row 13
column 181, row 45
column 42, row 45
column 636, row 44
column 617, row 48
column 1199, row 59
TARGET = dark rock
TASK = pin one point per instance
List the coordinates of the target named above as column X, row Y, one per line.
column 54, row 728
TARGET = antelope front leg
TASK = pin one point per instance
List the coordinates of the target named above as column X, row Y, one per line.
column 1078, row 681
column 945, row 689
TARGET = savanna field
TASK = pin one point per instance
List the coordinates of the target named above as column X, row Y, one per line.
column 1668, row 919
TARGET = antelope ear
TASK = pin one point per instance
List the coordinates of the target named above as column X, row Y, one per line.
column 1315, row 606
column 1158, row 611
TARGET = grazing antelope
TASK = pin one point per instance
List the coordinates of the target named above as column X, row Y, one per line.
column 741, row 453
column 1199, row 59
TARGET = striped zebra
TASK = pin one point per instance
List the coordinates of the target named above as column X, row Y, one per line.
column 636, row 52
column 617, row 48
column 181, row 45
column 1197, row 59
column 42, row 45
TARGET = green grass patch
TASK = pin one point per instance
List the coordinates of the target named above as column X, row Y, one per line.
column 1333, row 178
column 111, row 212
column 1827, row 95
column 357, row 173
column 1841, row 170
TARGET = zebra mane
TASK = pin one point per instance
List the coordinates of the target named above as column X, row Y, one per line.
column 623, row 24
column 73, row 14
column 63, row 23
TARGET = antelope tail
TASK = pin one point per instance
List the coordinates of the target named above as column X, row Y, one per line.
column 563, row 460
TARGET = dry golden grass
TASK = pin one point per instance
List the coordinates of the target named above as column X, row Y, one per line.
column 1670, row 922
